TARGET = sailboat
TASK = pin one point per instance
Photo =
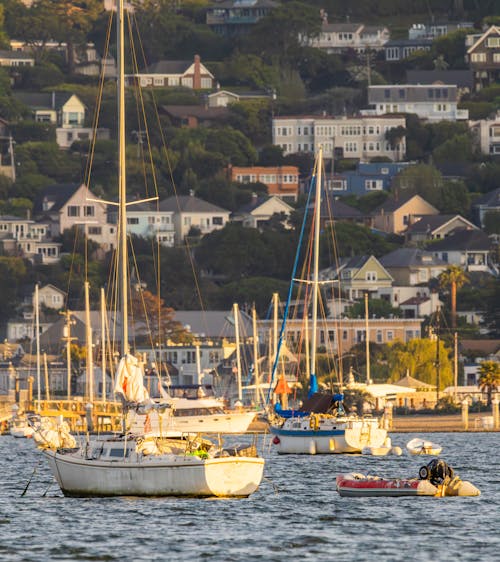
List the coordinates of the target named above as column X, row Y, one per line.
column 321, row 425
column 138, row 466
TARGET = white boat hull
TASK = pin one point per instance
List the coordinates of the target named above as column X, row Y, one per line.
column 170, row 475
column 175, row 426
column 421, row 447
column 332, row 436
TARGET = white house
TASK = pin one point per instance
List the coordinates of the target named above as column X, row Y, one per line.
column 340, row 37
column 222, row 98
column 432, row 102
column 50, row 296
column 260, row 210
column 487, row 134
column 148, row 220
column 190, row 212
column 360, row 137
column 16, row 59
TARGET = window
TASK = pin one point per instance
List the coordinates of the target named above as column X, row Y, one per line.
column 89, row 211
column 430, row 93
column 344, row 334
column 387, row 93
column 217, row 221
column 390, row 335
column 73, row 211
column 378, row 337
column 402, row 94
column 132, row 220
column 151, row 220
column 187, row 221
column 43, row 118
column 371, row 276
column 478, row 57
column 493, row 42
column 95, row 230
column 73, row 118
column 373, row 185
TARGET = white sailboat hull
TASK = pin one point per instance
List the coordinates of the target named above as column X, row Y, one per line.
column 330, row 436
column 169, row 475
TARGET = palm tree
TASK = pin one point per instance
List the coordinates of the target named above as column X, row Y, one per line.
column 489, row 377
column 454, row 277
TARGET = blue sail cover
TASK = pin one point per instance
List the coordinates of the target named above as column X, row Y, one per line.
column 289, row 413
column 313, row 385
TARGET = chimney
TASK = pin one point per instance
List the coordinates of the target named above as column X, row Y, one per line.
column 197, row 73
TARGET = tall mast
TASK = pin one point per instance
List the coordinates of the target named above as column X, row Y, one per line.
column 255, row 354
column 37, row 341
column 236, row 315
column 122, row 180
column 367, row 340
column 103, row 343
column 88, row 340
column 317, row 225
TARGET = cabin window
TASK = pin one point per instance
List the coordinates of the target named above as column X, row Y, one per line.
column 119, row 453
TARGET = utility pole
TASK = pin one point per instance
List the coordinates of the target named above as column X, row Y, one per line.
column 438, row 362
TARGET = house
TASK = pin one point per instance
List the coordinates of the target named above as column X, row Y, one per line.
column 149, row 220
column 233, row 18
column 397, row 50
column 412, row 266
column 360, row 274
column 7, row 159
column 487, row 134
column 488, row 204
column 334, row 209
column 260, row 211
column 420, row 307
column 222, row 98
column 336, row 38
column 361, row 137
column 397, row 294
column 15, row 59
column 473, row 353
column 50, row 297
column 396, row 215
column 436, row 227
column 163, row 74
column 28, row 238
column 189, row 212
column 281, row 181
column 69, row 205
column 469, row 249
column 433, row 30
column 213, row 325
column 192, row 116
column 483, row 55
column 66, row 111
column 462, row 79
column 431, row 102
column 366, row 178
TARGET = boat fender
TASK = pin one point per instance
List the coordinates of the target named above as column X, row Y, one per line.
column 314, row 422
column 276, row 440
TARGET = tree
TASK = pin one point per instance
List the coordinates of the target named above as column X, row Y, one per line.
column 418, row 358
column 489, row 378
column 379, row 308
column 453, row 277
column 158, row 319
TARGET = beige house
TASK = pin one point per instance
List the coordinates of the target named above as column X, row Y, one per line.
column 66, row 206
column 260, row 211
column 51, row 297
column 396, row 215
column 164, row 73
column 412, row 266
column 341, row 37
column 436, row 227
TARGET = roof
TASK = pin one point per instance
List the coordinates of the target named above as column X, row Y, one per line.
column 464, row 240
column 13, row 55
column 487, row 347
column 212, row 323
column 414, row 301
column 408, row 43
column 341, row 27
column 408, row 257
column 461, row 78
column 492, row 29
column 167, row 67
column 59, row 194
column 189, row 204
column 44, row 100
column 257, row 202
column 390, row 205
column 491, row 199
column 245, row 3
column 412, row 382
column 430, row 223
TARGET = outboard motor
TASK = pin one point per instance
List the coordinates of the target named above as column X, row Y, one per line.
column 436, row 472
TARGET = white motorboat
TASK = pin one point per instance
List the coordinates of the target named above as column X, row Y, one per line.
column 125, row 466
column 321, row 425
column 422, row 447
column 191, row 409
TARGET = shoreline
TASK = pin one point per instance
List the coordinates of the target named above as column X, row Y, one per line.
column 420, row 424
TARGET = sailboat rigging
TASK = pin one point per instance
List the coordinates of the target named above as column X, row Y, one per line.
column 321, row 424
column 136, row 465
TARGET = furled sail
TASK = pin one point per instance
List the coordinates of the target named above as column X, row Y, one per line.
column 130, row 380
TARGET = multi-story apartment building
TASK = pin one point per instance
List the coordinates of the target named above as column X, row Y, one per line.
column 362, row 137
column 432, row 102
column 151, row 221
column 487, row 134
column 281, row 181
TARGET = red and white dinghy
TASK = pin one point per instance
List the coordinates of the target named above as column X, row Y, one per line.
column 359, row 485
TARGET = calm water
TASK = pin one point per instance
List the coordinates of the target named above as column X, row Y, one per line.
column 296, row 513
